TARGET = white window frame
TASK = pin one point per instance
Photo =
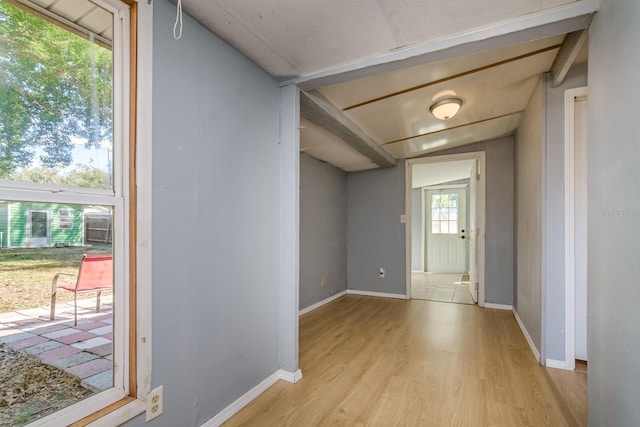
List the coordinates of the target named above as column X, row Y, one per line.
column 448, row 221
column 120, row 402
column 65, row 214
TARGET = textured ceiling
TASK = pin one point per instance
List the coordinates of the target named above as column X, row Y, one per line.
column 292, row 38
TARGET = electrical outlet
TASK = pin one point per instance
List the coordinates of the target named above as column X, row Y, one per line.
column 381, row 272
column 154, row 403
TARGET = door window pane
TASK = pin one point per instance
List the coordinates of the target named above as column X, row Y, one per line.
column 444, row 213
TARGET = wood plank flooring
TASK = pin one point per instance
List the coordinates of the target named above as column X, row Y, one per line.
column 382, row 362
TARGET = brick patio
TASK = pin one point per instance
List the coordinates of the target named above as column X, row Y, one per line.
column 84, row 351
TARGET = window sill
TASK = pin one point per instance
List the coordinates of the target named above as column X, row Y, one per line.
column 118, row 416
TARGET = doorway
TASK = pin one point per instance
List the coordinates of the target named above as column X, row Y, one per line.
column 444, row 202
column 575, row 125
column 37, row 228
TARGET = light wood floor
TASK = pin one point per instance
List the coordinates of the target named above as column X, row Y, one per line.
column 382, row 362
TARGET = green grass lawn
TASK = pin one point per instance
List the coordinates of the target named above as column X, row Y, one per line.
column 26, row 274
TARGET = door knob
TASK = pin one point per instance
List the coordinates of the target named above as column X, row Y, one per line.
column 462, row 237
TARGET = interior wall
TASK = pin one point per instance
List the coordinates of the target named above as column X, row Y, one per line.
column 529, row 151
column 554, row 211
column 376, row 237
column 614, row 215
column 215, row 222
column 323, row 230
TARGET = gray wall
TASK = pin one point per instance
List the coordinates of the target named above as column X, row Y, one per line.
column 529, row 167
column 215, row 222
column 554, row 212
column 323, row 230
column 376, row 236
column 614, row 215
column 417, row 255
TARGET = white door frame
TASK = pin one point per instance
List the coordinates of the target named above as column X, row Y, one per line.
column 570, row 96
column 29, row 226
column 480, row 222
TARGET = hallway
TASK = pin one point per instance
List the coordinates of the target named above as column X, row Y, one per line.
column 375, row 361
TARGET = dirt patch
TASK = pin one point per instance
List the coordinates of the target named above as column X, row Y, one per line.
column 31, row 389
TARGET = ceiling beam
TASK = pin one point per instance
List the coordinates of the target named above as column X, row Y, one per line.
column 316, row 108
column 568, row 53
column 559, row 20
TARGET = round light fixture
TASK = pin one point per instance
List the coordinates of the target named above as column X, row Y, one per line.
column 446, row 108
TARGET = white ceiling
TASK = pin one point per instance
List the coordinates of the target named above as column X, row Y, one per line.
column 292, row 38
column 374, row 111
column 82, row 15
column 439, row 173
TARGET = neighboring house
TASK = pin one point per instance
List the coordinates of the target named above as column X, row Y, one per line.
column 32, row 225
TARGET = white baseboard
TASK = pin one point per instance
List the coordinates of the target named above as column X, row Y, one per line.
column 321, row 303
column 535, row 351
column 246, row 398
column 291, row 377
column 375, row 294
column 498, row 306
column 552, row 363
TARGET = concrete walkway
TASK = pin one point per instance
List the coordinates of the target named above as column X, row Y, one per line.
column 84, row 351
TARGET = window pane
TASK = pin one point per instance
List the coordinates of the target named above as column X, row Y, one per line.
column 435, row 227
column 453, row 213
column 444, row 214
column 435, row 200
column 453, row 227
column 444, row 200
column 453, row 200
column 56, row 99
column 435, row 214
column 47, row 357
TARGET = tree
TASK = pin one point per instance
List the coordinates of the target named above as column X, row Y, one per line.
column 86, row 176
column 54, row 86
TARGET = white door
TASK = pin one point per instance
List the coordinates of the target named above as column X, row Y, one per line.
column 446, row 230
column 472, row 235
column 580, row 224
column 37, row 229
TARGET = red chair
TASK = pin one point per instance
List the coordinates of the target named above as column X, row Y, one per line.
column 95, row 275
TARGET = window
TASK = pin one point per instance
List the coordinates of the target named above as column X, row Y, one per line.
column 65, row 218
column 64, row 151
column 444, row 213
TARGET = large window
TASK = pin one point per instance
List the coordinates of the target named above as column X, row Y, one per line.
column 64, row 144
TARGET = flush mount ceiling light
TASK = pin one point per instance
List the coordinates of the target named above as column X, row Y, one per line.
column 446, row 108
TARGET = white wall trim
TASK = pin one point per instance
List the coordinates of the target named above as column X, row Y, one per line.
column 290, row 377
column 557, row 364
column 570, row 96
column 289, row 202
column 480, row 156
column 498, row 306
column 535, row 351
column 375, row 294
column 321, row 303
column 246, row 398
